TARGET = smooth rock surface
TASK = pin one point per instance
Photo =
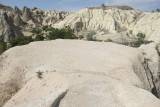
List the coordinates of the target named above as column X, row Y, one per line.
column 76, row 74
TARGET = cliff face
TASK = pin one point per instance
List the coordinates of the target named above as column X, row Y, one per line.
column 7, row 29
column 115, row 21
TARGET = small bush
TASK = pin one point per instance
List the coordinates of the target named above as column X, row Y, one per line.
column 102, row 5
column 140, row 40
column 20, row 28
column 39, row 38
column 158, row 51
column 109, row 40
column 39, row 74
column 90, row 36
column 36, row 31
column 44, row 28
column 81, row 37
column 20, row 40
column 3, row 47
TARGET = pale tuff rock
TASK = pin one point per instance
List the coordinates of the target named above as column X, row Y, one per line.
column 7, row 28
column 17, row 10
column 27, row 15
column 152, row 57
column 115, row 21
column 18, row 21
column 79, row 73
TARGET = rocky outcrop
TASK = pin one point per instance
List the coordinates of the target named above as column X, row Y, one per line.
column 78, row 73
column 115, row 21
column 17, row 10
column 7, row 28
column 18, row 21
column 5, row 8
column 27, row 15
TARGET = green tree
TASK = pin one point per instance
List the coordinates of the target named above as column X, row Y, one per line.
column 65, row 33
column 158, row 10
column 102, row 5
column 20, row 40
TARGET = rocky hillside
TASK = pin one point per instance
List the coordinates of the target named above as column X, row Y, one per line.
column 115, row 21
column 25, row 19
column 30, row 18
column 72, row 73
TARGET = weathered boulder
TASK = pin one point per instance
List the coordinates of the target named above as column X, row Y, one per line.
column 77, row 73
column 153, row 65
column 7, row 28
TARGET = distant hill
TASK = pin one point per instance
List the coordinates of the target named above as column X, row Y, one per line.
column 111, row 7
column 5, row 8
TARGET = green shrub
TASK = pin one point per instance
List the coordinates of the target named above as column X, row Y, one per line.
column 20, row 28
column 109, row 40
column 65, row 33
column 39, row 37
column 2, row 47
column 44, row 28
column 39, row 74
column 90, row 36
column 141, row 40
column 81, row 37
column 158, row 51
column 20, row 40
column 36, row 31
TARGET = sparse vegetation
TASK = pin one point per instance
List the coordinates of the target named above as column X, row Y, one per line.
column 39, row 74
column 158, row 51
column 140, row 40
column 39, row 37
column 65, row 33
column 81, row 37
column 20, row 40
column 54, row 33
column 20, row 28
column 90, row 36
column 109, row 40
column 44, row 28
column 3, row 47
column 36, row 31
column 102, row 5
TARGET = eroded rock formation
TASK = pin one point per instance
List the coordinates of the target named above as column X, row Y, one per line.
column 7, row 28
column 114, row 21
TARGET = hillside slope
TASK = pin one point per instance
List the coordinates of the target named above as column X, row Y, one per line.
column 114, row 20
